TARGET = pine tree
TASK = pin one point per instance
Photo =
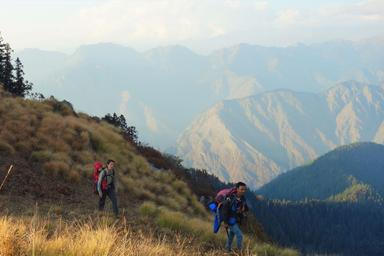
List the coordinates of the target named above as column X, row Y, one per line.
column 129, row 132
column 8, row 77
column 12, row 78
column 20, row 87
column 2, row 57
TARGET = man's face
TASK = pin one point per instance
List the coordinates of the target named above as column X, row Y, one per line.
column 241, row 191
column 111, row 165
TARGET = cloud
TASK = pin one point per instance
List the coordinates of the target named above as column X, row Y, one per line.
column 369, row 10
column 163, row 21
column 261, row 5
column 144, row 24
column 287, row 17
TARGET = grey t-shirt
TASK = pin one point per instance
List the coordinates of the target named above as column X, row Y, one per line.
column 110, row 177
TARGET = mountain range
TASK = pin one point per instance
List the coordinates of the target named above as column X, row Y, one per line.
column 254, row 139
column 163, row 89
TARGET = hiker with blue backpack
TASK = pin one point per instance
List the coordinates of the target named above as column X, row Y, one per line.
column 230, row 207
column 105, row 184
column 233, row 211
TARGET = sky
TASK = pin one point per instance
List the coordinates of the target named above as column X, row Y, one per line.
column 202, row 25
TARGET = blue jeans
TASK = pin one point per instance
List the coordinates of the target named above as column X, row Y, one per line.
column 233, row 231
column 110, row 192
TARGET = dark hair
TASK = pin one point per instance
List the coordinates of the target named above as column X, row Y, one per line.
column 110, row 161
column 240, row 184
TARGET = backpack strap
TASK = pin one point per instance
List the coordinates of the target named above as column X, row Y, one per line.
column 110, row 174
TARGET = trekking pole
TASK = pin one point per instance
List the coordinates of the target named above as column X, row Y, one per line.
column 6, row 176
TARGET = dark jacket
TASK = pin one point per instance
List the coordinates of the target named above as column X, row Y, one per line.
column 233, row 209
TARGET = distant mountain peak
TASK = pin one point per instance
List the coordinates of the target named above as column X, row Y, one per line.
column 104, row 49
column 277, row 130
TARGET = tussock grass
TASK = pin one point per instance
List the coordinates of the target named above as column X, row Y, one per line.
column 149, row 209
column 270, row 250
column 200, row 231
column 11, row 238
column 6, row 149
column 45, row 237
column 57, row 168
column 41, row 156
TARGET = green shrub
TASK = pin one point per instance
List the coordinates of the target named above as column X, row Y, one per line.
column 145, row 194
column 141, row 164
column 128, row 182
column 56, row 168
column 62, row 157
column 180, row 201
column 97, row 143
column 181, row 187
column 272, row 250
column 41, row 156
column 198, row 228
column 64, row 107
column 6, row 149
column 198, row 207
column 169, row 201
column 178, row 185
column 164, row 176
column 83, row 157
column 171, row 220
column 148, row 209
column 75, row 174
column 23, row 146
column 148, row 183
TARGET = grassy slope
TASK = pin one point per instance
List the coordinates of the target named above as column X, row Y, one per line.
column 48, row 197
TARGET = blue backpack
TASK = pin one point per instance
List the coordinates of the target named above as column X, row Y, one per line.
column 215, row 208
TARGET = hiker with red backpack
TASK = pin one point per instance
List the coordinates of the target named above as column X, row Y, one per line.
column 105, row 184
column 233, row 210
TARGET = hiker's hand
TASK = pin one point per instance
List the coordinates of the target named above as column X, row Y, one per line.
column 226, row 225
column 100, row 194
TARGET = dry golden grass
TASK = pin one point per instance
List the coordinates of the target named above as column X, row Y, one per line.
column 199, row 231
column 43, row 236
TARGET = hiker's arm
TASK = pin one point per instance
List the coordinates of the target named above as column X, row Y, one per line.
column 101, row 177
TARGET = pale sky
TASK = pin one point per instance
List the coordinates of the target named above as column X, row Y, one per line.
column 202, row 25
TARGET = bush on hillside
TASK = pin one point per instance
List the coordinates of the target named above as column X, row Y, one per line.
column 148, row 209
column 6, row 149
column 41, row 156
column 56, row 168
column 63, row 107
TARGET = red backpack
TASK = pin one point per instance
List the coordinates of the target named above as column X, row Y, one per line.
column 97, row 167
column 224, row 194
